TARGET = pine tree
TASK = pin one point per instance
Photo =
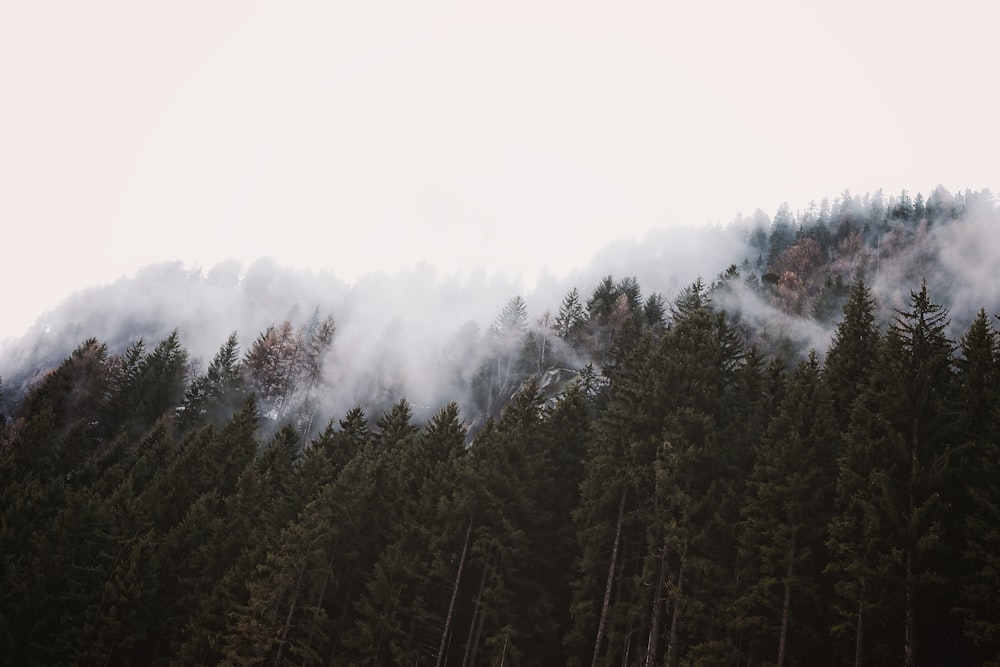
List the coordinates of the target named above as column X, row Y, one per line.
column 159, row 386
column 75, row 391
column 608, row 496
column 790, row 495
column 886, row 536
column 216, row 395
column 654, row 310
column 602, row 301
column 852, row 352
column 268, row 496
column 570, row 322
column 403, row 609
column 977, row 510
column 503, row 369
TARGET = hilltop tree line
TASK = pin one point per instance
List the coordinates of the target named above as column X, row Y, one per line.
column 684, row 499
column 805, row 260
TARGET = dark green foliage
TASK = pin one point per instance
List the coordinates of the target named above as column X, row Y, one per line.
column 655, row 312
column 571, row 320
column 789, row 500
column 144, row 387
column 214, row 396
column 782, row 234
column 852, row 352
column 976, row 478
column 887, row 538
column 75, row 390
column 695, row 501
column 602, row 302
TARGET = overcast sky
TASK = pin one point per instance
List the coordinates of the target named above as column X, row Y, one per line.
column 513, row 136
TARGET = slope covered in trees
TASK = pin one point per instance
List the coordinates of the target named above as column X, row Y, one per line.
column 632, row 480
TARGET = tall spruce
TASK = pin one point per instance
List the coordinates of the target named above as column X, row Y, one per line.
column 886, row 536
column 783, row 534
column 977, row 512
column 853, row 351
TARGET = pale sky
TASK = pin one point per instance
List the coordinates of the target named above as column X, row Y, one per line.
column 513, row 136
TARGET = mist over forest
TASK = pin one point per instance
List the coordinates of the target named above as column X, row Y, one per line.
column 397, row 329
column 769, row 442
column 401, row 329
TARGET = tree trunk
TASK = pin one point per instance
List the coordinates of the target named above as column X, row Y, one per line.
column 477, row 613
column 858, row 632
column 783, row 637
column 479, row 633
column 611, row 575
column 454, row 596
column 909, row 635
column 909, row 646
column 652, row 646
column 291, row 614
column 675, row 612
column 319, row 603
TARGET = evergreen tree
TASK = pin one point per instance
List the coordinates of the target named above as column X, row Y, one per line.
column 75, row 391
column 852, row 352
column 404, row 608
column 784, row 529
column 268, row 496
column 698, row 466
column 605, row 518
column 903, row 210
column 503, row 369
column 782, row 234
column 216, row 395
column 886, row 536
column 977, row 510
column 571, row 320
column 602, row 301
column 159, row 386
column 655, row 312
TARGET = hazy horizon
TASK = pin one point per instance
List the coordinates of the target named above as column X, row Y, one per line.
column 517, row 140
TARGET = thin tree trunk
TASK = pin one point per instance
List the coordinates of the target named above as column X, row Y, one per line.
column 909, row 635
column 909, row 647
column 319, row 603
column 858, row 632
column 291, row 614
column 784, row 610
column 347, row 599
column 675, row 611
column 652, row 646
column 476, row 613
column 479, row 632
column 454, row 596
column 628, row 645
column 601, row 624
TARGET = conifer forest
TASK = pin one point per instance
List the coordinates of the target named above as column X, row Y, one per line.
column 638, row 478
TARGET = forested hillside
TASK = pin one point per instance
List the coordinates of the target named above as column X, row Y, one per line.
column 792, row 463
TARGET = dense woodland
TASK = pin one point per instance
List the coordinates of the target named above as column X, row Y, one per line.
column 634, row 480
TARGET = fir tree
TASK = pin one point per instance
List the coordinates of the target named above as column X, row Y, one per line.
column 789, row 500
column 214, row 396
column 977, row 510
column 886, row 536
column 571, row 320
column 852, row 352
